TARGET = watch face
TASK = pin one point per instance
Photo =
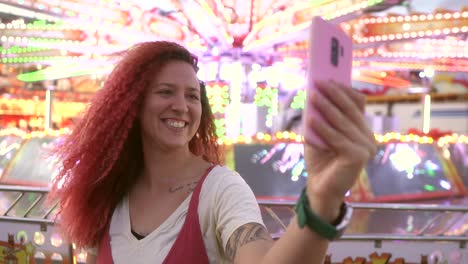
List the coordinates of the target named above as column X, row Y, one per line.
column 346, row 219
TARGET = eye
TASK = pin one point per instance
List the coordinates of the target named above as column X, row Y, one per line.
column 194, row 96
column 164, row 92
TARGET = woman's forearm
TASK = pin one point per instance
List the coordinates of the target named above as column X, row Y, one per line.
column 295, row 246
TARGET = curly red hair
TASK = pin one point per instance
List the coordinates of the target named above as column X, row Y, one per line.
column 103, row 156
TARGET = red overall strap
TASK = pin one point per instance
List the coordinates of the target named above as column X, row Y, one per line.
column 104, row 250
column 188, row 247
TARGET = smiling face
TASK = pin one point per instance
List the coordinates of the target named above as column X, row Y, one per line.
column 171, row 111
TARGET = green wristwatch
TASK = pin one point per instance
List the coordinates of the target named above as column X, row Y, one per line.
column 306, row 216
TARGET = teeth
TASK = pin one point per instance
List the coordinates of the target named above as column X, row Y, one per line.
column 176, row 124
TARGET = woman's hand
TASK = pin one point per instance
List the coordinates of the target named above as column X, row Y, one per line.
column 332, row 172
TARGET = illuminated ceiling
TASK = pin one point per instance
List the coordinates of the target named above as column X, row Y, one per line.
column 388, row 34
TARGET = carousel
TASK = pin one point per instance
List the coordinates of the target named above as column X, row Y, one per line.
column 409, row 57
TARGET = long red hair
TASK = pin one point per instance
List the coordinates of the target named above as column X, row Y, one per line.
column 102, row 157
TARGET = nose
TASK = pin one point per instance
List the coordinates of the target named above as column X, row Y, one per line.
column 179, row 104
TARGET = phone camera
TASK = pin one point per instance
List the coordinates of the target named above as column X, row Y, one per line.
column 335, row 51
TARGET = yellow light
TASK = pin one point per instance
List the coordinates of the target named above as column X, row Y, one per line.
column 446, row 139
column 279, row 135
column 284, row 136
column 463, row 139
column 292, row 135
column 387, row 137
column 378, row 138
column 397, row 136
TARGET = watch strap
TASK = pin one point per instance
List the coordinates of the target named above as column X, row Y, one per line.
column 330, row 231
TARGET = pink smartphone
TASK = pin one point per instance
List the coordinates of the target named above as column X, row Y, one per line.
column 330, row 58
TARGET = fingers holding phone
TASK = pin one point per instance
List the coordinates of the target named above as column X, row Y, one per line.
column 341, row 125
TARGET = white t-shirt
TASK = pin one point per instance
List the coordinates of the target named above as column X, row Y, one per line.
column 226, row 203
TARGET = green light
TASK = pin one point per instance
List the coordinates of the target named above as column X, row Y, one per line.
column 220, row 125
column 298, row 169
column 218, row 97
column 267, row 97
column 429, row 188
column 431, row 173
column 373, row 2
column 318, row 2
column 298, row 100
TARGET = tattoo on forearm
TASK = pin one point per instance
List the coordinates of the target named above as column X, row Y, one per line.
column 189, row 187
column 243, row 235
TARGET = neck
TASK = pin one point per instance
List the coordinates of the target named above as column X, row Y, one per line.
column 164, row 168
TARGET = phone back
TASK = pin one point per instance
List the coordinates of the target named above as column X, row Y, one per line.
column 330, row 58
column 330, row 53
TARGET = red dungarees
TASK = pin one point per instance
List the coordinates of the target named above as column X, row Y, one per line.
column 188, row 247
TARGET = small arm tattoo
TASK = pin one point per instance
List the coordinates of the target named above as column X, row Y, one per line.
column 243, row 235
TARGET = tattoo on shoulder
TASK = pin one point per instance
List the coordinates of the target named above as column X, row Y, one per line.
column 245, row 234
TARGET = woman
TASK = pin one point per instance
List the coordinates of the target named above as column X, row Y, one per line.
column 141, row 182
